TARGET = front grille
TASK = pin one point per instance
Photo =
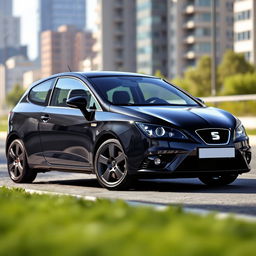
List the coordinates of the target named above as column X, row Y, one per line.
column 214, row 136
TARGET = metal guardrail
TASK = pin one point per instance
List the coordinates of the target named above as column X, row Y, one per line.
column 230, row 98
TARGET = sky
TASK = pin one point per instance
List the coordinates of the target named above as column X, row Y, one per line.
column 27, row 10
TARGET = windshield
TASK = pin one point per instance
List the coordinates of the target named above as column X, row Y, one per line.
column 140, row 91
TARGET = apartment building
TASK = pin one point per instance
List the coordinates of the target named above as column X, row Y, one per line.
column 55, row 13
column 10, row 33
column 245, row 29
column 189, row 32
column 64, row 49
column 151, row 36
column 115, row 35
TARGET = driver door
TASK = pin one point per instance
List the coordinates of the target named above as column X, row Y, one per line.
column 65, row 133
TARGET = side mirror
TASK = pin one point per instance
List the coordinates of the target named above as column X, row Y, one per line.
column 80, row 102
column 77, row 102
column 201, row 100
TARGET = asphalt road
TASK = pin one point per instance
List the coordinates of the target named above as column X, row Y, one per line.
column 240, row 197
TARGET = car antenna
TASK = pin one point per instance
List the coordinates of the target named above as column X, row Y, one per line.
column 69, row 68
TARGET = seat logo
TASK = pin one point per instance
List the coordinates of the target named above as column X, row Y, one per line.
column 215, row 135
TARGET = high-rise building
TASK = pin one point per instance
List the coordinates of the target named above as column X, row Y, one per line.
column 115, row 35
column 245, row 29
column 6, row 7
column 30, row 77
column 11, row 74
column 189, row 32
column 64, row 49
column 55, row 13
column 10, row 33
column 151, row 39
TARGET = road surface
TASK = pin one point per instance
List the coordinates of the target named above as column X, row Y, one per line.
column 240, row 197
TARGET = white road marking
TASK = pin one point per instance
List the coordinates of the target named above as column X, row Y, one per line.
column 160, row 207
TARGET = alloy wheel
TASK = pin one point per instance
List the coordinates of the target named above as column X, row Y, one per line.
column 16, row 160
column 111, row 164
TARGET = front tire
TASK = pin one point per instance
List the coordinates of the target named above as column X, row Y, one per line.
column 218, row 180
column 111, row 166
column 17, row 165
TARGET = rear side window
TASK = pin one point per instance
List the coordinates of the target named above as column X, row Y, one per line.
column 39, row 93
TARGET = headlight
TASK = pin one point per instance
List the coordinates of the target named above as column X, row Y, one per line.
column 156, row 131
column 240, row 131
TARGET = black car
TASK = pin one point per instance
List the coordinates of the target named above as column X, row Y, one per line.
column 122, row 126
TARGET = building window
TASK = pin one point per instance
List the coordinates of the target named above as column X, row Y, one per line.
column 203, row 32
column 203, row 47
column 244, row 15
column 205, row 17
column 203, row 2
column 241, row 36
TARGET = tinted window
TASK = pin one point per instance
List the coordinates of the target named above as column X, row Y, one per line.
column 150, row 90
column 69, row 87
column 111, row 93
column 38, row 94
column 125, row 90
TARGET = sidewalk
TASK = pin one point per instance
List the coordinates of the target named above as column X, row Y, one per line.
column 3, row 135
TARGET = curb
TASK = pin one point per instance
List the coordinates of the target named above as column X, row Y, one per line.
column 3, row 135
column 156, row 206
column 252, row 139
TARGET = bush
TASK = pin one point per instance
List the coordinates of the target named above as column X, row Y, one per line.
column 232, row 64
column 61, row 225
column 239, row 108
column 14, row 95
column 3, row 123
column 240, row 84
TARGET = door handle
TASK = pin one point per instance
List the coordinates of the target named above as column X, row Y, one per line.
column 45, row 118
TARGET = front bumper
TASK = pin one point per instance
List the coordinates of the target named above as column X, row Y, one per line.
column 180, row 159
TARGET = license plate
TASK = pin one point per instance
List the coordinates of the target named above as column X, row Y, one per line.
column 216, row 152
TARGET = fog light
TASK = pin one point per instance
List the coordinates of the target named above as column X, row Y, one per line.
column 157, row 161
column 248, row 157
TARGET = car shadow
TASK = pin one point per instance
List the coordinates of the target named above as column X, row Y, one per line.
column 240, row 186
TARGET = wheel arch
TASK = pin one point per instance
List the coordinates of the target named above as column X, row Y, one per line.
column 103, row 137
column 10, row 138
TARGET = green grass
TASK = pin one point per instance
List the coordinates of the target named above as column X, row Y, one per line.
column 61, row 225
column 251, row 131
column 3, row 123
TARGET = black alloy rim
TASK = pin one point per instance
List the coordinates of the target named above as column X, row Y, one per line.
column 111, row 164
column 16, row 160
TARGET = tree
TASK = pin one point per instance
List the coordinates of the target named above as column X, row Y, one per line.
column 182, row 83
column 240, row 84
column 233, row 64
column 199, row 77
column 158, row 73
column 14, row 95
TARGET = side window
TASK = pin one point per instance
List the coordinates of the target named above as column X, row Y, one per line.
column 69, row 87
column 38, row 94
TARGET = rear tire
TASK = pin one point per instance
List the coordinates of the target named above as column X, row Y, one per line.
column 110, row 166
column 218, row 180
column 17, row 165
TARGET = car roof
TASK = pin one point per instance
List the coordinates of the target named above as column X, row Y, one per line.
column 90, row 74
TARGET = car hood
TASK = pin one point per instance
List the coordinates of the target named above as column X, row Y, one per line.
column 189, row 117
